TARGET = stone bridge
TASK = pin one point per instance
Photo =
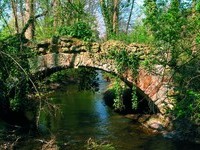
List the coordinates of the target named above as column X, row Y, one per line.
column 67, row 52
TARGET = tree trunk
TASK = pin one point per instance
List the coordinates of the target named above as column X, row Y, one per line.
column 129, row 17
column 29, row 13
column 110, row 12
column 115, row 16
column 106, row 12
column 14, row 11
column 56, row 5
column 21, row 13
column 194, row 43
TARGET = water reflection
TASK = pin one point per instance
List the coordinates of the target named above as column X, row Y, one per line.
column 100, row 108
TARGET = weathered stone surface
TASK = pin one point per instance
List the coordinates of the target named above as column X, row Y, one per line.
column 66, row 39
column 95, row 47
column 65, row 44
column 41, row 50
column 65, row 49
column 112, row 45
column 157, row 123
column 156, row 126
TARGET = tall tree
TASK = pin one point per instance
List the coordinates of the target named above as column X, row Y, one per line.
column 115, row 16
column 110, row 11
column 130, row 15
column 21, row 12
column 56, row 12
column 14, row 10
column 29, row 14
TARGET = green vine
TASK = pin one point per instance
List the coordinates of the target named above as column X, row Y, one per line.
column 118, row 101
column 134, row 98
column 124, row 61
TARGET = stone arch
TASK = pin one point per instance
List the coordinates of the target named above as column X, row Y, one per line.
column 152, row 86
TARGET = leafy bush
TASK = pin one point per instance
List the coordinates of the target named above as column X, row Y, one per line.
column 189, row 106
column 4, row 33
column 139, row 34
column 124, row 60
column 80, row 30
column 14, row 57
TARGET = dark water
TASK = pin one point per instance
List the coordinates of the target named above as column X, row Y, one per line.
column 84, row 115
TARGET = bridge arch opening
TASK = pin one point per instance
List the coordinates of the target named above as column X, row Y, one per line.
column 145, row 105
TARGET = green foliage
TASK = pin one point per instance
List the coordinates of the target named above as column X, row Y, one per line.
column 189, row 106
column 67, row 18
column 139, row 34
column 44, row 30
column 124, row 61
column 134, row 98
column 188, row 97
column 175, row 30
column 80, row 30
column 77, row 76
column 96, row 145
column 118, row 90
column 13, row 55
column 87, row 78
column 4, row 33
column 15, row 104
column 61, row 76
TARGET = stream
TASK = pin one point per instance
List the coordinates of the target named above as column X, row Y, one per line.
column 84, row 116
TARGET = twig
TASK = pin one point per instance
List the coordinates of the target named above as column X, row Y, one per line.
column 14, row 143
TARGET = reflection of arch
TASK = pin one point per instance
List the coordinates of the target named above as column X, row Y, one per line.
column 151, row 86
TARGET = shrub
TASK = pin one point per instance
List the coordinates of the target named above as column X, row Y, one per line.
column 80, row 30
